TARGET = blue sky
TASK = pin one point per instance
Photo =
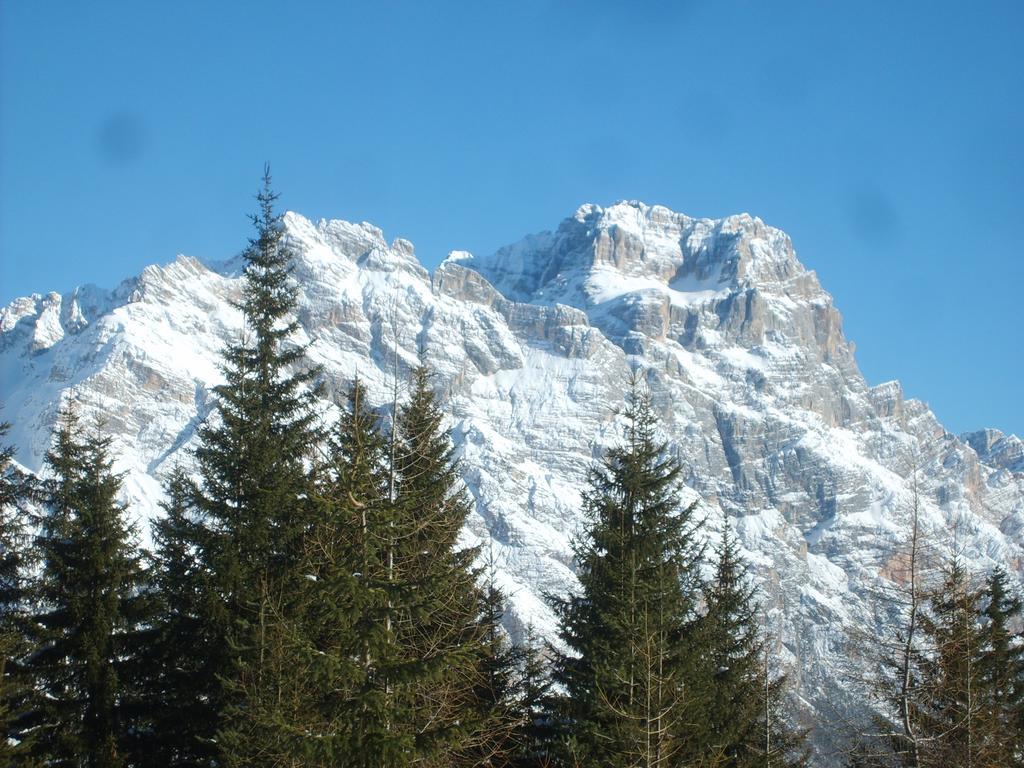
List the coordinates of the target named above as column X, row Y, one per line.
column 884, row 137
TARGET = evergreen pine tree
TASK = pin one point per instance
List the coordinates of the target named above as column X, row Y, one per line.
column 89, row 597
column 357, row 518
column 269, row 720
column 498, row 705
column 255, row 485
column 628, row 700
column 533, row 735
column 250, row 505
column 1000, row 674
column 959, row 682
column 15, row 562
column 953, row 715
column 252, row 458
column 745, row 725
column 179, row 722
column 434, row 599
column 329, row 649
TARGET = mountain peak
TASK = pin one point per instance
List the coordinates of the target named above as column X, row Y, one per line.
column 335, row 244
column 633, row 246
column 636, row 214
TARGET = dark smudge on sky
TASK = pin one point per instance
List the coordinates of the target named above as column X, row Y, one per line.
column 121, row 139
column 873, row 217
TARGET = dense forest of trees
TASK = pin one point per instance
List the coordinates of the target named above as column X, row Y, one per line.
column 949, row 680
column 307, row 602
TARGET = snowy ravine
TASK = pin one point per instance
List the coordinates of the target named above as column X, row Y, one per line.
column 743, row 351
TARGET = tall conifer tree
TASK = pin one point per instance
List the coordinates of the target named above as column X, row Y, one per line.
column 953, row 715
column 1000, row 673
column 534, row 734
column 967, row 681
column 354, row 534
column 251, row 501
column 329, row 650
column 15, row 564
column 628, row 671
column 434, row 603
column 178, row 732
column 498, row 697
column 253, row 462
column 743, row 718
column 89, row 600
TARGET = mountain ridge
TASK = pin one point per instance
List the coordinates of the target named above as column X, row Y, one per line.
column 757, row 387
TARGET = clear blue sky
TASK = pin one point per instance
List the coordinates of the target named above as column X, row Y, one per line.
column 887, row 138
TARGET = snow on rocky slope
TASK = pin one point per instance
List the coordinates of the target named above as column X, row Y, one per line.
column 742, row 349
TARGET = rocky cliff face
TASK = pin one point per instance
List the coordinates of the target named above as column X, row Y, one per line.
column 743, row 351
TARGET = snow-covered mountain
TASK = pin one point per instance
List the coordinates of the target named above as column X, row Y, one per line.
column 741, row 347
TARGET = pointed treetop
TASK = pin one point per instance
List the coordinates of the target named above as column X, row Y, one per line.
column 266, row 218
